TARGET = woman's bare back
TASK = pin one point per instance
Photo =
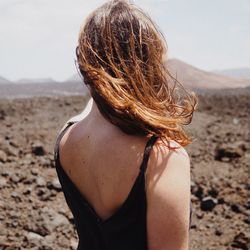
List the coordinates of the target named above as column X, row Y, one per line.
column 101, row 161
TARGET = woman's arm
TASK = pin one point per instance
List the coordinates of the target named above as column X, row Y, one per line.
column 168, row 198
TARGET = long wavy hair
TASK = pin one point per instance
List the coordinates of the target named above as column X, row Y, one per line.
column 121, row 57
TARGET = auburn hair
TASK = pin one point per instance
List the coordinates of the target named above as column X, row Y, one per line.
column 120, row 55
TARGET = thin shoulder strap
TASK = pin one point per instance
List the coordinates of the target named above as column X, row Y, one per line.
column 147, row 150
column 59, row 137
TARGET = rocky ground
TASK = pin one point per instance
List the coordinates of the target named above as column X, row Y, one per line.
column 34, row 214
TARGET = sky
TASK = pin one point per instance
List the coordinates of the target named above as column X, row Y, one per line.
column 38, row 37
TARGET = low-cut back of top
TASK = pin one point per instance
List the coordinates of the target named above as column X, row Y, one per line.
column 125, row 229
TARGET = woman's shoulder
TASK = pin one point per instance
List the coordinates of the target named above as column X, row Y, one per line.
column 168, row 151
column 170, row 162
column 79, row 117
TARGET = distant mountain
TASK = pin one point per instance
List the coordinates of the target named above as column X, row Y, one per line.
column 189, row 76
column 25, row 90
column 4, row 80
column 193, row 77
column 240, row 73
column 74, row 78
column 34, row 80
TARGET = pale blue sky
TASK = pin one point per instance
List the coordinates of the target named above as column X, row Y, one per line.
column 38, row 37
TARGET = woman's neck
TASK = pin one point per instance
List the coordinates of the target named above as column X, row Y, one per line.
column 96, row 114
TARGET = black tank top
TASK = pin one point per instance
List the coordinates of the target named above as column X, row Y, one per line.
column 125, row 229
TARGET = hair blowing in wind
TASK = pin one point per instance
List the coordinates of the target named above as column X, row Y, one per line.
column 121, row 56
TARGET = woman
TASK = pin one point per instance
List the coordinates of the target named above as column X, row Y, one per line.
column 121, row 163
